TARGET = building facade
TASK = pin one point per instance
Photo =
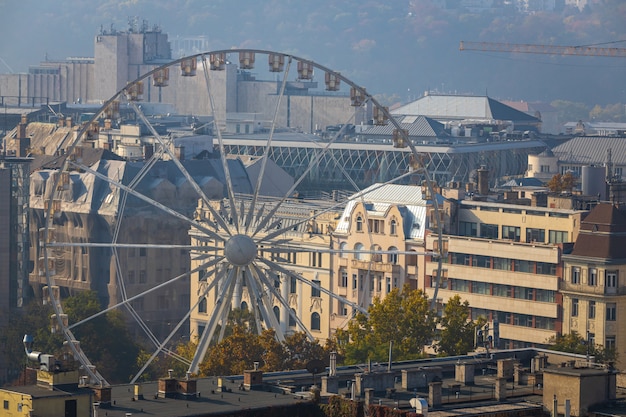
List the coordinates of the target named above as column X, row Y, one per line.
column 593, row 286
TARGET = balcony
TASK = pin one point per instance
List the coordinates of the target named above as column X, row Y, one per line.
column 591, row 289
column 375, row 266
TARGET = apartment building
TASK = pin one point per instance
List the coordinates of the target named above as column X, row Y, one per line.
column 380, row 242
column 593, row 286
column 506, row 261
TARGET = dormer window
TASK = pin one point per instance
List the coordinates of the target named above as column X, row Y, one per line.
column 359, row 224
column 393, row 227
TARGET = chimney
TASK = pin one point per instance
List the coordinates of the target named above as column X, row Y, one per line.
column 68, row 122
column 483, row 180
column 107, row 124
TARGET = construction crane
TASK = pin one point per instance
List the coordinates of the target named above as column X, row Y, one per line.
column 542, row 49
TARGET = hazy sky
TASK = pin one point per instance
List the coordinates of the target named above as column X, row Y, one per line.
column 399, row 49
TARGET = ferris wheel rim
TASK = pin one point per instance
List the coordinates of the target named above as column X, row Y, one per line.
column 66, row 161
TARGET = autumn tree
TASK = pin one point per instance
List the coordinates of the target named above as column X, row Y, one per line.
column 300, row 350
column 559, row 183
column 457, row 330
column 402, row 317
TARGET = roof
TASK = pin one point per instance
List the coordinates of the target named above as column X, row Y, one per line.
column 378, row 198
column 602, row 234
column 592, row 150
column 416, row 125
column 35, row 391
column 463, row 107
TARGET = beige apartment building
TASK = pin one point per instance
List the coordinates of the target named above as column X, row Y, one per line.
column 505, row 260
column 593, row 286
column 380, row 245
column 307, row 255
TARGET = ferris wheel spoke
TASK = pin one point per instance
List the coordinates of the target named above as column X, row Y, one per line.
column 148, row 291
column 268, row 147
column 229, row 182
column 149, row 200
column 129, row 246
column 165, row 147
column 264, row 303
column 277, row 267
column 341, row 203
column 296, row 183
column 220, row 305
column 283, row 302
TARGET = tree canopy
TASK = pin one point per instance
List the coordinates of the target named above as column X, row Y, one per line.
column 576, row 343
column 457, row 330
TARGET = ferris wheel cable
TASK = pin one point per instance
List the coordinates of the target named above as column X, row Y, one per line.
column 280, row 268
column 255, row 310
column 328, row 209
column 130, row 246
column 154, row 203
column 268, row 146
column 218, row 310
column 229, row 182
column 261, row 298
column 148, row 291
column 291, row 190
column 176, row 161
column 274, row 291
column 237, row 288
column 160, row 347
column 291, row 249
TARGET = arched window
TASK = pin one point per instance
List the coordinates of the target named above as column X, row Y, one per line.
column 292, row 320
column 376, row 253
column 359, row 223
column 202, row 305
column 393, row 227
column 358, row 254
column 392, row 256
column 342, row 248
column 315, row 321
column 244, row 305
column 277, row 313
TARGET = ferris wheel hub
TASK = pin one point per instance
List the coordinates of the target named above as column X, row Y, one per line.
column 240, row 250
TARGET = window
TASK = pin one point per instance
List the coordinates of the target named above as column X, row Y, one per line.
column 344, row 279
column 392, row 257
column 609, row 343
column 342, row 248
column 481, row 288
column 243, row 306
column 315, row 291
column 358, row 251
column 545, row 168
column 592, row 309
column 376, row 226
column 393, row 227
column 511, row 232
column 315, row 321
column 6, row 405
column 610, row 281
column 131, row 277
column 593, row 277
column 292, row 320
column 535, row 235
column 342, row 309
column 574, row 307
column 293, row 285
column 468, row 229
column 530, row 168
column 557, row 236
column 575, row 275
column 142, row 277
column 354, row 282
column 202, row 306
column 388, row 285
column 276, row 310
column 359, row 224
column 489, row 231
column 611, row 311
column 142, row 251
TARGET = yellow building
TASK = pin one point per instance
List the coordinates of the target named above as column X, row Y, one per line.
column 379, row 244
column 505, row 260
column 55, row 394
column 593, row 286
column 288, row 279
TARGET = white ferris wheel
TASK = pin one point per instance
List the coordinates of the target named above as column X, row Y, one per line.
column 231, row 240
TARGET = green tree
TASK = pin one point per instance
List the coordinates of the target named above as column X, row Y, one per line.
column 300, row 350
column 402, row 317
column 457, row 330
column 576, row 343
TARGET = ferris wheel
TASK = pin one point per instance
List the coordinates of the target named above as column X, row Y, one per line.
column 242, row 233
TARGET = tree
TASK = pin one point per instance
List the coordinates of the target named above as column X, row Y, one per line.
column 559, row 183
column 457, row 330
column 575, row 343
column 403, row 318
column 300, row 350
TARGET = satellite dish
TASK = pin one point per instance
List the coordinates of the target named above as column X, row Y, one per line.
column 316, row 366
